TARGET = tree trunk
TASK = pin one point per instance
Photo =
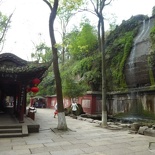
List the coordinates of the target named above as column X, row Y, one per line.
column 101, row 39
column 104, row 109
column 61, row 114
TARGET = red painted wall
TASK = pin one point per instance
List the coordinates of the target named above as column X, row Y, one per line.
column 51, row 101
column 86, row 102
column 91, row 102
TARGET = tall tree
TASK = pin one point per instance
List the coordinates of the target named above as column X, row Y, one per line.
column 66, row 11
column 62, row 125
column 98, row 11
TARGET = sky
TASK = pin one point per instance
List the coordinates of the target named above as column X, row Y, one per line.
column 29, row 23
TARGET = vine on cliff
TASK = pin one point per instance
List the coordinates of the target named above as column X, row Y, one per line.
column 152, row 39
column 151, row 57
column 118, row 47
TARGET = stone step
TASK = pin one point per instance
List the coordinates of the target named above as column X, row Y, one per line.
column 13, row 131
column 10, row 126
column 25, row 130
column 5, row 135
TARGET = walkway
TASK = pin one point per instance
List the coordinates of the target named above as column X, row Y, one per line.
column 83, row 138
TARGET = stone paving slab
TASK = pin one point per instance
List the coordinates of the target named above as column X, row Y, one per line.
column 93, row 149
column 82, row 138
column 118, row 151
column 67, row 152
column 143, row 153
column 45, row 149
column 95, row 153
column 44, row 153
column 16, row 152
column 152, row 146
column 3, row 148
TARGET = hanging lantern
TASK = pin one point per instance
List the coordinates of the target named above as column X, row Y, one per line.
column 35, row 81
column 34, row 89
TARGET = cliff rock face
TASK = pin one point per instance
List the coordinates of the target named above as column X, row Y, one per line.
column 137, row 65
column 134, row 98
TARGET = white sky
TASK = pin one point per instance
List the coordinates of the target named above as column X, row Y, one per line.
column 30, row 19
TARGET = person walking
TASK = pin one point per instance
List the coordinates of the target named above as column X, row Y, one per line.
column 56, row 110
column 74, row 107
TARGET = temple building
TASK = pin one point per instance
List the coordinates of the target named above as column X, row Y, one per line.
column 17, row 77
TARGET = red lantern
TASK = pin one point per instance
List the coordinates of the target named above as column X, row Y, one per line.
column 36, row 81
column 34, row 89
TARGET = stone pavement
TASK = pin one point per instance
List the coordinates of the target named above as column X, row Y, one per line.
column 83, row 138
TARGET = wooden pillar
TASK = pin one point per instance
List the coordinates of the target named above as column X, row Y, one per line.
column 14, row 104
column 21, row 103
column 25, row 95
column 21, row 116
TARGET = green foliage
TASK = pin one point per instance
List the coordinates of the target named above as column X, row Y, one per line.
column 66, row 6
column 153, row 11
column 43, row 53
column 82, row 47
column 4, row 25
column 3, row 22
column 124, row 45
column 118, row 47
column 86, row 70
column 151, row 57
column 126, row 51
column 72, row 88
column 85, row 61
column 89, row 68
column 47, row 86
column 152, row 38
column 150, row 64
column 83, row 43
column 151, row 77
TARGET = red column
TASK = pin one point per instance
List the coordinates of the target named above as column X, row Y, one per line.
column 21, row 117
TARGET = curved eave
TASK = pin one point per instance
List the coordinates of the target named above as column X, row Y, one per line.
column 24, row 69
column 24, row 74
column 12, row 57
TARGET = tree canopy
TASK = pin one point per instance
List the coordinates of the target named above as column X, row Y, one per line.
column 85, row 60
column 4, row 25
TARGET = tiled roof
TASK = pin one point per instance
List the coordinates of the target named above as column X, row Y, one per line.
column 16, row 69
column 21, row 65
column 12, row 57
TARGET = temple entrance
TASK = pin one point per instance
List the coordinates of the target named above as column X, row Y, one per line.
column 16, row 77
column 7, row 105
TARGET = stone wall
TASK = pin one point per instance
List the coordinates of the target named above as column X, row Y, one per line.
column 131, row 103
